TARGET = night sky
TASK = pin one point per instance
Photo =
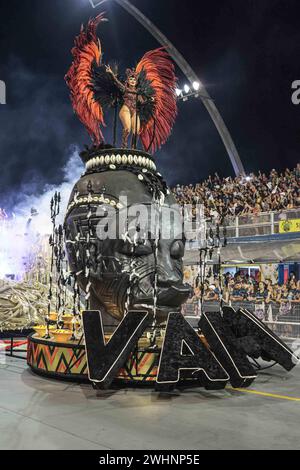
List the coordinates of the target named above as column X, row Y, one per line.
column 246, row 53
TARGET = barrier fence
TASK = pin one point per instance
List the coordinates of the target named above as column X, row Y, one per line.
column 265, row 223
column 283, row 319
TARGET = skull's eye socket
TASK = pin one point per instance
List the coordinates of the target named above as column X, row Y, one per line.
column 177, row 249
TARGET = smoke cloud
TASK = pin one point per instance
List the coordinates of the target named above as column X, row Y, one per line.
column 30, row 221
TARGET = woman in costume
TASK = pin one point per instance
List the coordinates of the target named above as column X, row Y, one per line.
column 129, row 114
column 147, row 99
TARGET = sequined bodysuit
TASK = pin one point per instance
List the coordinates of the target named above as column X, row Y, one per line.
column 130, row 99
column 129, row 95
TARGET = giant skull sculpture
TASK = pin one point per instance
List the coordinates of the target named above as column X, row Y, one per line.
column 114, row 239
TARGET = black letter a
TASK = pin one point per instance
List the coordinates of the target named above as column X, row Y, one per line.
column 183, row 351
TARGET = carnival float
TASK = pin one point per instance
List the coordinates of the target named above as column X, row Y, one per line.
column 116, row 267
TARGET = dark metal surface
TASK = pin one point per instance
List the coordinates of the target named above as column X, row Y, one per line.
column 112, row 260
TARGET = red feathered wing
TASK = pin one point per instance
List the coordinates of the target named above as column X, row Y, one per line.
column 86, row 52
column 160, row 71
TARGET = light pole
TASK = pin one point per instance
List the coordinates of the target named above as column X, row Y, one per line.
column 190, row 75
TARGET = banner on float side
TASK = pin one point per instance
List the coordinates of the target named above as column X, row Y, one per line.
column 289, row 226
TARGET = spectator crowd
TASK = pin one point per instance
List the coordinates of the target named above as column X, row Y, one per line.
column 244, row 195
column 244, row 288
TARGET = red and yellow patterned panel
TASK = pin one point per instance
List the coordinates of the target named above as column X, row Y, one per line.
column 56, row 359
column 141, row 366
column 70, row 360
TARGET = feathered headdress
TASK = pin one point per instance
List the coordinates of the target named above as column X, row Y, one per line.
column 93, row 89
column 131, row 73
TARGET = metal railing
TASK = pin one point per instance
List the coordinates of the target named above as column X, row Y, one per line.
column 263, row 224
column 283, row 319
column 266, row 223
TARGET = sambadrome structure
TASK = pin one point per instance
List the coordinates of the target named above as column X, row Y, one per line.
column 125, row 246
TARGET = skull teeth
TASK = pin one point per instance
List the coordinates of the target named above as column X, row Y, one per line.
column 117, row 160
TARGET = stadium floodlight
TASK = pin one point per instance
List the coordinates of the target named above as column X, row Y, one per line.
column 191, row 91
column 96, row 4
column 196, row 86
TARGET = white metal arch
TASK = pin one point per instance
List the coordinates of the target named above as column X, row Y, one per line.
column 190, row 75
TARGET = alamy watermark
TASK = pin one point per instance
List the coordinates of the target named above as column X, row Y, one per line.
column 2, row 92
column 151, row 221
column 296, row 92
